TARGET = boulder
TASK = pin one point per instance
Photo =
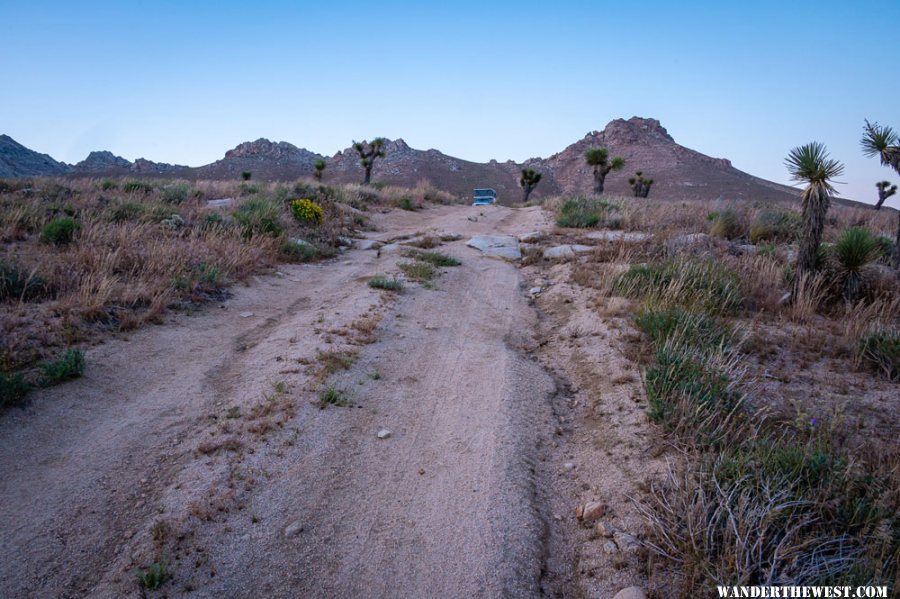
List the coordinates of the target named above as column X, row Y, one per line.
column 531, row 237
column 691, row 239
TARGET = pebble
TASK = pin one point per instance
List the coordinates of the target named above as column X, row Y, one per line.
column 383, row 433
column 246, row 314
column 610, row 547
column 569, row 466
column 591, row 511
column 535, row 290
column 293, row 529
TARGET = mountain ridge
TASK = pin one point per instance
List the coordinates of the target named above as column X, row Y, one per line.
column 679, row 172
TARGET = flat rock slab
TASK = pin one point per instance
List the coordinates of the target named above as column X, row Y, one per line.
column 497, row 246
column 220, row 203
column 626, row 236
column 368, row 244
column 566, row 251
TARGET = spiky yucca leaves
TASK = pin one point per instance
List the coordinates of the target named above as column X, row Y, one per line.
column 812, row 165
column 639, row 185
column 368, row 152
column 881, row 141
column 598, row 160
column 855, row 248
column 529, row 180
column 885, row 190
column 319, row 167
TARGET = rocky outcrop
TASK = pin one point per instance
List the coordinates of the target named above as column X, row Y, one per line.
column 264, row 159
column 102, row 162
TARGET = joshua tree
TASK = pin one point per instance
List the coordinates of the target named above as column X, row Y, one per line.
column 368, row 152
column 529, row 180
column 246, row 175
column 812, row 165
column 598, row 159
column 885, row 190
column 319, row 167
column 639, row 185
column 882, row 142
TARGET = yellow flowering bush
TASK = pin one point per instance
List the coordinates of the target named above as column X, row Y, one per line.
column 307, row 212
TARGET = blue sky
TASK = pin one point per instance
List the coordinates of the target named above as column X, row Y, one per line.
column 184, row 81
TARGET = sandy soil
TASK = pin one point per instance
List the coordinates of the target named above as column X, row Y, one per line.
column 200, row 443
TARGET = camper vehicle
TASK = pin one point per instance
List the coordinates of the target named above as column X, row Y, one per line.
column 483, row 197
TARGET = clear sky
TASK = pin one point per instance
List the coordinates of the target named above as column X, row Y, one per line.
column 182, row 82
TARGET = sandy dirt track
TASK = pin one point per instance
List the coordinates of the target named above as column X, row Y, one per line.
column 176, row 445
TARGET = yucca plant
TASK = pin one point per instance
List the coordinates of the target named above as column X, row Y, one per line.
column 812, row 165
column 598, row 160
column 529, row 180
column 639, row 185
column 855, row 248
column 368, row 153
column 319, row 167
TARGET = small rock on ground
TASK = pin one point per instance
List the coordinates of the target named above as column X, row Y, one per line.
column 293, row 529
column 631, row 593
column 246, row 314
column 383, row 433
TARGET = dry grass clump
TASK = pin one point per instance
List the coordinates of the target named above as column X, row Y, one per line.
column 753, row 498
column 82, row 256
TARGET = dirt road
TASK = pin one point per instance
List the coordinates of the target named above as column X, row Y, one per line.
column 199, row 443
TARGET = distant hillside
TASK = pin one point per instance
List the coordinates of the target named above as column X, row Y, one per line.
column 679, row 172
column 266, row 160
column 18, row 161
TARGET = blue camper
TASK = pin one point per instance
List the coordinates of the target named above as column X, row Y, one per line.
column 483, row 197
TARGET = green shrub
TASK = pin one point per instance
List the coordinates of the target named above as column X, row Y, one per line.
column 307, row 212
column 153, row 577
column 854, row 249
column 132, row 186
column 406, row 204
column 728, row 225
column 696, row 284
column 386, row 284
column 17, row 284
column 60, row 231
column 697, row 329
column 881, row 350
column 174, row 193
column 332, row 396
column 436, row 258
column 775, row 226
column 292, row 251
column 583, row 213
column 109, row 184
column 259, row 217
column 68, row 366
column 122, row 212
column 246, row 175
column 418, row 271
column 13, row 388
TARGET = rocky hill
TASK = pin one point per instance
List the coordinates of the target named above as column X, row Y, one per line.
column 679, row 172
column 266, row 160
column 18, row 161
